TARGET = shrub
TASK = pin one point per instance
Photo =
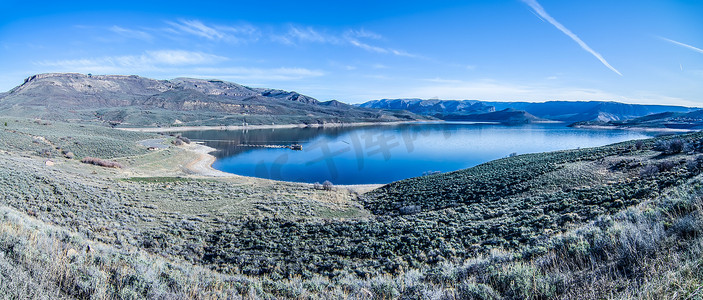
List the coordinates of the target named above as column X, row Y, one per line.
column 676, row 146
column 410, row 209
column 101, row 162
column 649, row 171
column 669, row 147
column 666, row 166
column 184, row 139
column 327, row 185
column 639, row 145
column 476, row 291
column 695, row 164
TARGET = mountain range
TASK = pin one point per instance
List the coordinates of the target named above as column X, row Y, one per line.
column 525, row 112
column 137, row 101
column 673, row 120
column 133, row 101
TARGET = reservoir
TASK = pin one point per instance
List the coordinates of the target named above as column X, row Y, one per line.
column 386, row 153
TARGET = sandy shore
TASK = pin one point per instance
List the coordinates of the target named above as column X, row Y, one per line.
column 202, row 166
column 250, row 127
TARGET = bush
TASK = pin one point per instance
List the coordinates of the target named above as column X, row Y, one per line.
column 476, row 291
column 695, row 164
column 410, row 210
column 639, row 145
column 327, row 185
column 649, row 171
column 101, row 162
column 669, row 147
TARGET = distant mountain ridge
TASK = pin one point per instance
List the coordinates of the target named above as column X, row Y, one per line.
column 130, row 100
column 565, row 111
column 673, row 120
column 435, row 108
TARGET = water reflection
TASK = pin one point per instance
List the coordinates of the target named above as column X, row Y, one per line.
column 381, row 154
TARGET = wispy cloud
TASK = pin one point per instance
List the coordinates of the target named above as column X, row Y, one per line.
column 308, row 34
column 249, row 75
column 297, row 34
column 149, row 60
column 363, row 33
column 699, row 50
column 130, row 33
column 545, row 16
column 186, row 63
column 181, row 57
column 367, row 47
column 356, row 38
column 214, row 32
column 376, row 49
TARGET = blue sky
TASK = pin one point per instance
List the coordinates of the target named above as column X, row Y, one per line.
column 353, row 51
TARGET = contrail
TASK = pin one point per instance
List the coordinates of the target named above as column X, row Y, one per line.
column 545, row 16
column 683, row 45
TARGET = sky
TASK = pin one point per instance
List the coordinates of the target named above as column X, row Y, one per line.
column 643, row 51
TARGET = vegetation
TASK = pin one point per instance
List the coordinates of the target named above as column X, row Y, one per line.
column 25, row 136
column 617, row 221
column 101, row 162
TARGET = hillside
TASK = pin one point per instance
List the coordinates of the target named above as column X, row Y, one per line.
column 493, row 229
column 505, row 116
column 435, row 108
column 133, row 101
column 673, row 120
column 565, row 111
column 575, row 111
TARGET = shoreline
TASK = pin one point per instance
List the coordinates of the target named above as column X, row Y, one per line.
column 257, row 127
column 323, row 125
column 202, row 166
column 645, row 129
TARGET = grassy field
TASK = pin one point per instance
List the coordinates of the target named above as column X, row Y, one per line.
column 610, row 222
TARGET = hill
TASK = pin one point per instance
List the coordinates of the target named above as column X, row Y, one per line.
column 435, row 108
column 565, row 111
column 576, row 111
column 585, row 223
column 673, row 120
column 505, row 116
column 133, row 101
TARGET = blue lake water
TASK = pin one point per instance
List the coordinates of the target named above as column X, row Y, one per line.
column 386, row 153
